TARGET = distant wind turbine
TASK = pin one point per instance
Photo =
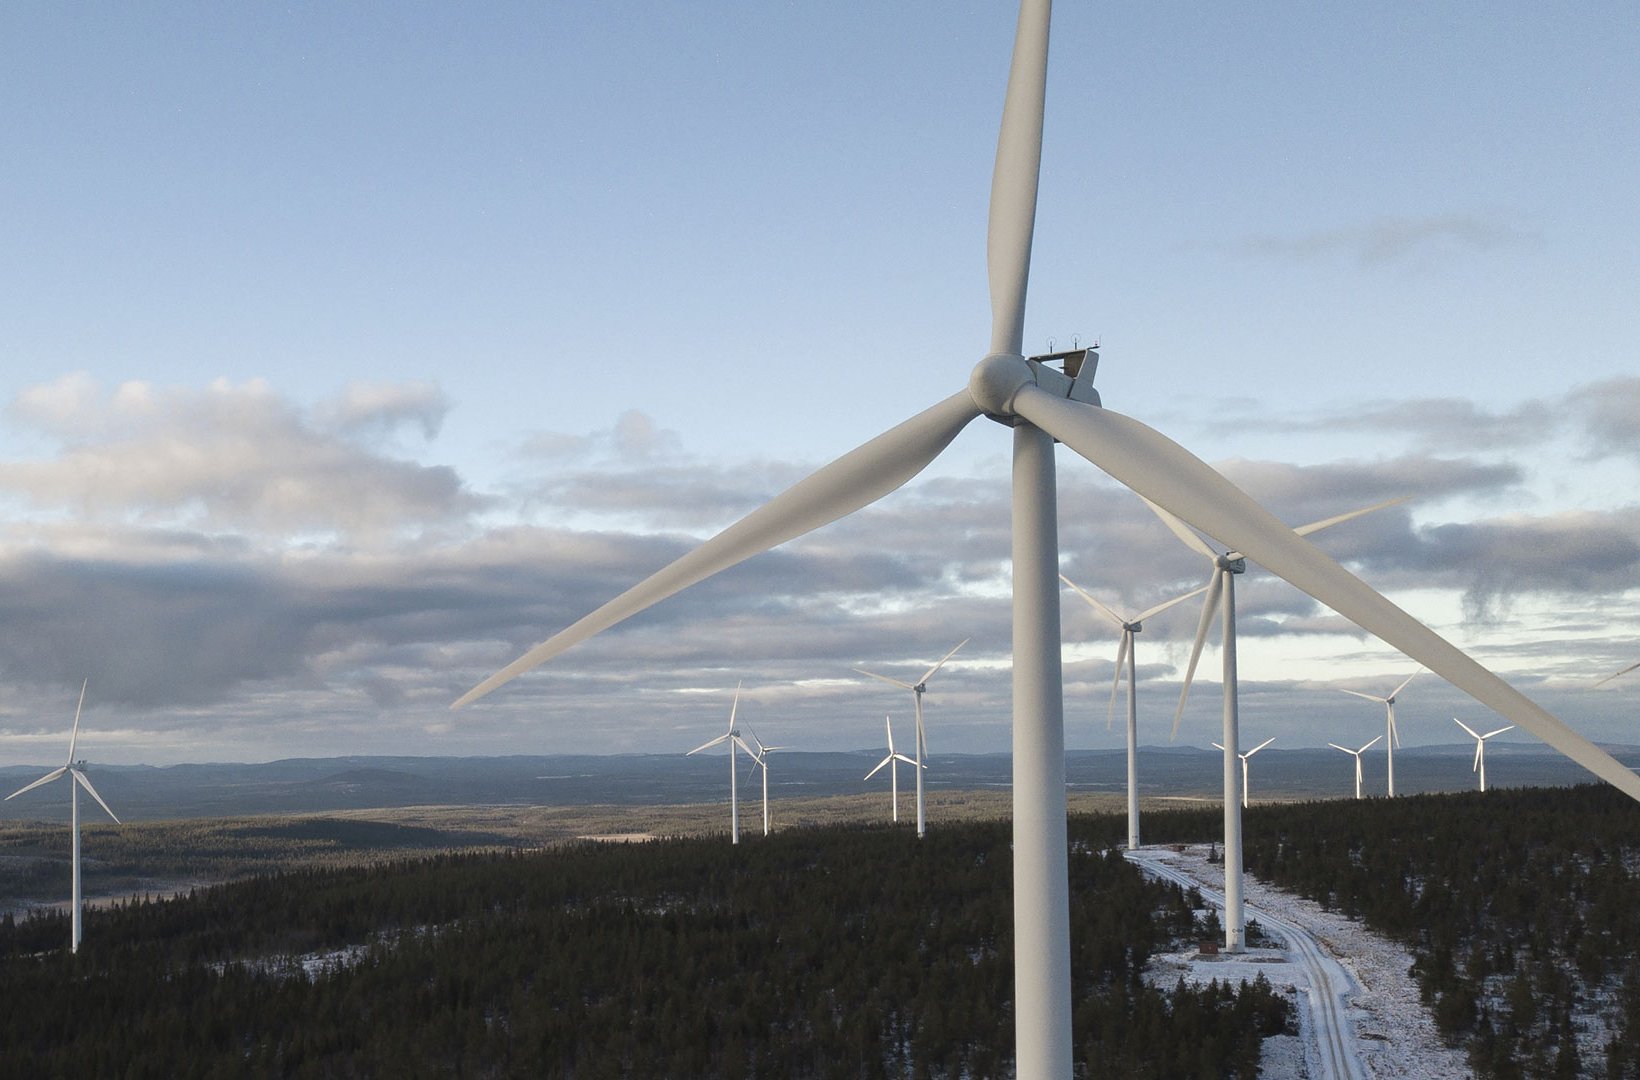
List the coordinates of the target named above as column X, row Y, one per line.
column 1357, row 755
column 1041, row 401
column 892, row 760
column 732, row 737
column 1244, row 758
column 760, row 760
column 1480, row 747
column 1392, row 734
column 1125, row 650
column 75, row 771
column 917, row 689
column 1221, row 588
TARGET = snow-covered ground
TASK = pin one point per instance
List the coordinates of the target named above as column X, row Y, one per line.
column 1392, row 1031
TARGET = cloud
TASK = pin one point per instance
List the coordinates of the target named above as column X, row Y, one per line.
column 1609, row 413
column 1395, row 239
column 232, row 457
column 1432, row 423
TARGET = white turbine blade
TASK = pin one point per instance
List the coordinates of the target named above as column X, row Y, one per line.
column 857, row 479
column 1159, row 608
column 81, row 779
column 734, row 707
column 1093, row 601
column 1116, row 683
column 1215, row 590
column 890, row 729
column 1618, row 674
column 908, row 761
column 1185, row 533
column 1359, row 694
column 1472, row 732
column 886, row 679
column 1480, row 748
column 709, row 745
column 1346, row 749
column 931, row 672
column 74, row 734
column 1218, row 746
column 879, row 765
column 1259, row 747
column 1339, row 519
column 1370, row 745
column 1014, row 181
column 1396, row 692
column 1394, row 728
column 1160, row 469
column 46, row 779
column 742, row 744
column 1500, row 731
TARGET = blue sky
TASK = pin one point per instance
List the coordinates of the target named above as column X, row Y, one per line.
column 349, row 350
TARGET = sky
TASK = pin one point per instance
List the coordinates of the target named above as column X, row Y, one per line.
column 349, row 350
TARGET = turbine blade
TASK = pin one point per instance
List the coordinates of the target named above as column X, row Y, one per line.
column 1185, row 533
column 708, row 745
column 1466, row 727
column 1215, row 589
column 886, row 679
column 1396, row 692
column 1480, row 748
column 890, row 729
column 1500, row 731
column 908, row 761
column 1370, row 745
column 1339, row 519
column 1218, row 746
column 1116, row 683
column 930, row 673
column 857, row 479
column 1093, row 601
column 1259, row 747
column 879, row 766
column 1618, row 674
column 1346, row 749
column 46, row 779
column 81, row 779
column 1162, row 470
column 1159, row 608
column 1394, row 728
column 74, row 734
column 1359, row 694
column 734, row 707
column 1014, row 181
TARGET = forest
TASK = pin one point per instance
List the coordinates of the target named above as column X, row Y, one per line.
column 836, row 951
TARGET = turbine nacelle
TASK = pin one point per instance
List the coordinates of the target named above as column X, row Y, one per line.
column 997, row 380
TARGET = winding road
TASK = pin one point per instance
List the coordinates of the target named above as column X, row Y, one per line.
column 1330, row 985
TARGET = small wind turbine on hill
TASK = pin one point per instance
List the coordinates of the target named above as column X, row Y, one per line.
column 1244, row 758
column 892, row 760
column 760, row 760
column 1392, row 735
column 77, row 779
column 732, row 737
column 1356, row 754
column 1480, row 747
column 1039, row 404
column 917, row 690
column 1125, row 650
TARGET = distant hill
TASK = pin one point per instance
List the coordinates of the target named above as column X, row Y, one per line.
column 296, row 785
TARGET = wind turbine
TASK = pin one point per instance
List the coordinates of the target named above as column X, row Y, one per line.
column 75, row 771
column 1244, row 758
column 893, row 762
column 1357, row 755
column 1125, row 654
column 732, row 737
column 1480, row 747
column 917, row 689
column 1392, row 735
column 760, row 759
column 1221, row 588
column 1041, row 403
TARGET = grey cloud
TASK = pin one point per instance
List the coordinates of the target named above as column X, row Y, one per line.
column 369, row 407
column 1609, row 412
column 1396, row 239
column 1432, row 423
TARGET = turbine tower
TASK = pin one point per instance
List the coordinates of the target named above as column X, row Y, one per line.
column 77, row 779
column 1125, row 654
column 732, row 737
column 1244, row 758
column 1040, row 404
column 760, row 760
column 917, row 689
column 1221, row 588
column 1357, row 755
column 1480, row 747
column 1392, row 735
column 893, row 762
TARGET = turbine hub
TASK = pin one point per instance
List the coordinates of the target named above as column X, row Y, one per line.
column 995, row 381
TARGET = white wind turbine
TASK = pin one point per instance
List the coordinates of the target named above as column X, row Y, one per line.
column 74, row 770
column 917, row 689
column 1125, row 655
column 1392, row 734
column 760, row 760
column 1244, row 757
column 732, row 737
column 892, row 760
column 1480, row 747
column 1357, row 755
column 1221, row 588
column 1041, row 404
